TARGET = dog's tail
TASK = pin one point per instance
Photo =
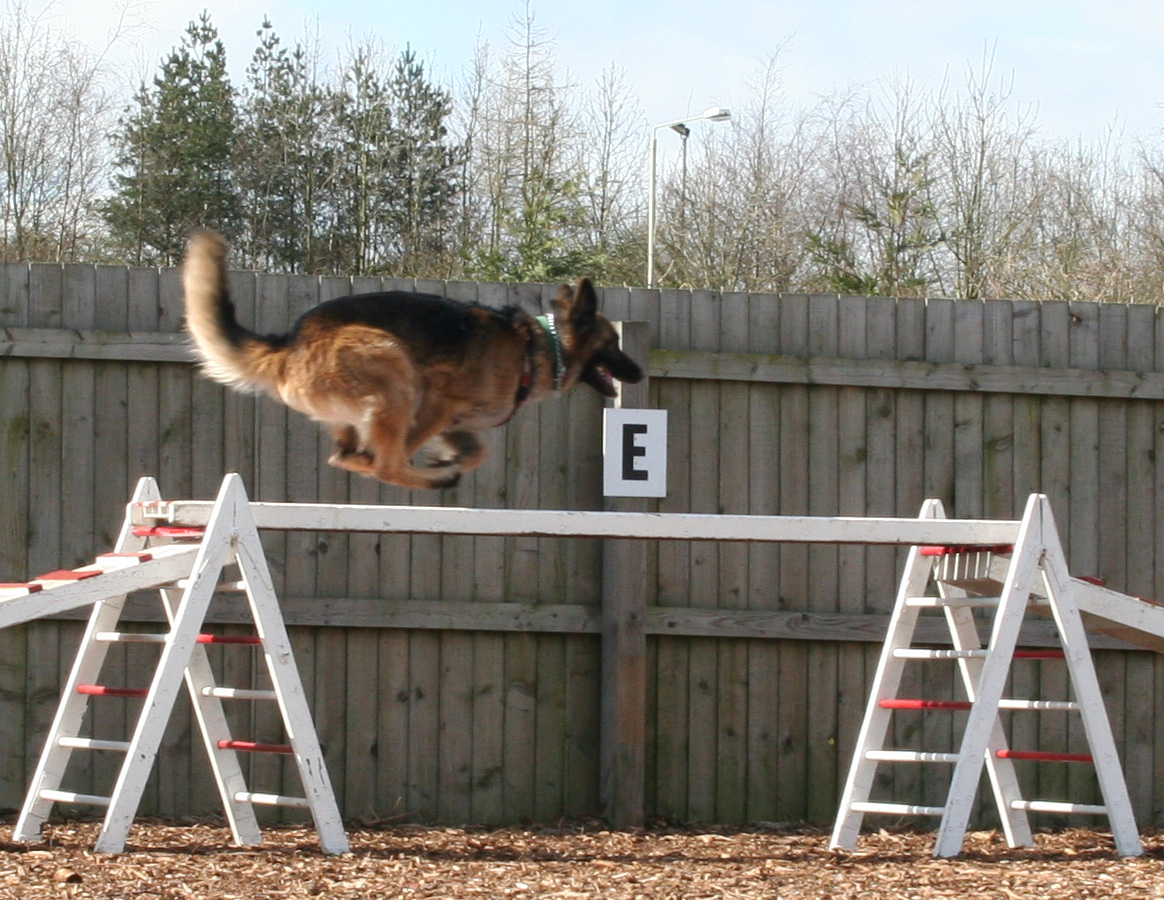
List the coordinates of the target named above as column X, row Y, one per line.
column 230, row 353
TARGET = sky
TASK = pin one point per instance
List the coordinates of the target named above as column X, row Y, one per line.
column 1086, row 68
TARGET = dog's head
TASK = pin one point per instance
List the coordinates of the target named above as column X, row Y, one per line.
column 591, row 343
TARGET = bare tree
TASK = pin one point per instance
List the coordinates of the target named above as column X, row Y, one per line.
column 732, row 216
column 525, row 183
column 611, row 182
column 55, row 111
column 983, row 187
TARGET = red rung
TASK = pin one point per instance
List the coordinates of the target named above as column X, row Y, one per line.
column 229, row 639
column 1038, row 654
column 1092, row 579
column 1044, row 756
column 255, row 748
column 101, row 690
column 68, row 575
column 955, row 549
column 170, row 531
column 27, row 585
column 924, row 704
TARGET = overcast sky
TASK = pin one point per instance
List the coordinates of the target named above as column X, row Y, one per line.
column 1086, row 65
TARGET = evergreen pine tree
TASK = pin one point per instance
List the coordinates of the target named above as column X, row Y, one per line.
column 362, row 123
column 284, row 160
column 423, row 170
column 175, row 154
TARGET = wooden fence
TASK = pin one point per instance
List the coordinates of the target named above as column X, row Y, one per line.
column 457, row 679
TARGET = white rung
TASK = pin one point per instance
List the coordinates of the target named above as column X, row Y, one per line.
column 79, row 743
column 271, row 799
column 129, row 637
column 897, row 809
column 918, row 653
column 910, row 756
column 225, row 693
column 223, row 587
column 71, row 797
column 1054, row 806
column 943, row 602
column 1040, row 705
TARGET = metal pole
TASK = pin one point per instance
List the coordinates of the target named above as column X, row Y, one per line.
column 651, row 213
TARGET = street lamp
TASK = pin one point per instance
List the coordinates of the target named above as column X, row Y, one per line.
column 711, row 114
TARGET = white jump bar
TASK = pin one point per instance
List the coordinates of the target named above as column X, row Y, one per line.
column 587, row 523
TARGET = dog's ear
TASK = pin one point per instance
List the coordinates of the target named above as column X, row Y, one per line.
column 584, row 307
column 560, row 305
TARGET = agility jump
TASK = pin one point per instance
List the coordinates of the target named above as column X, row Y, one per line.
column 180, row 547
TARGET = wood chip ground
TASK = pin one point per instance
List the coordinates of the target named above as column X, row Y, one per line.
column 571, row 862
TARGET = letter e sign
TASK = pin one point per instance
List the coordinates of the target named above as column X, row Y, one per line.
column 634, row 452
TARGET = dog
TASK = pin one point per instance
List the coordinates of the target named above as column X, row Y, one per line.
column 399, row 377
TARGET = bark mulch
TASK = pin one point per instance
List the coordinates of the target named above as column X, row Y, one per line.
column 572, row 862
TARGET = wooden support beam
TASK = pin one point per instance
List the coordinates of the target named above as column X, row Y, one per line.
column 623, row 727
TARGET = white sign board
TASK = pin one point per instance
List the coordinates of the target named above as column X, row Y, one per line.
column 634, row 453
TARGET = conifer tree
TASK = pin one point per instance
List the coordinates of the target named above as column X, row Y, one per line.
column 284, row 161
column 422, row 170
column 174, row 151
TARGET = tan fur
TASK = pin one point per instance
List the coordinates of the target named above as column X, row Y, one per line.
column 385, row 399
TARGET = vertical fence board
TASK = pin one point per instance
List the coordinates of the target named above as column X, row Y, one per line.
column 15, row 428
column 673, row 654
column 732, row 665
column 852, row 574
column 271, row 483
column 1086, row 500
column 46, row 504
column 1055, row 350
column 913, row 460
column 763, row 696
column 824, row 473
column 392, row 725
column 880, row 456
column 705, row 584
column 943, row 477
column 1138, row 523
column 792, row 668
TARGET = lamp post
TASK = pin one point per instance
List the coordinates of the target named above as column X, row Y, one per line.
column 711, row 114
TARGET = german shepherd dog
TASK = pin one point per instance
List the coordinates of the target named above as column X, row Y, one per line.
column 399, row 375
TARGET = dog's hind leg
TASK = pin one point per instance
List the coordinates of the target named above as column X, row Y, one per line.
column 388, row 458
column 467, row 450
column 347, row 445
column 452, row 448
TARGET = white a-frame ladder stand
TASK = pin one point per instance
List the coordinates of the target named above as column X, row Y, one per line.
column 185, row 565
column 955, row 581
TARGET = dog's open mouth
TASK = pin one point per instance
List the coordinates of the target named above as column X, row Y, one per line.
column 599, row 377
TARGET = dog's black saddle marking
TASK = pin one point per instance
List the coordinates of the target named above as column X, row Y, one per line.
column 428, row 323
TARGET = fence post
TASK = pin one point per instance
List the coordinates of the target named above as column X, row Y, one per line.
column 624, row 641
